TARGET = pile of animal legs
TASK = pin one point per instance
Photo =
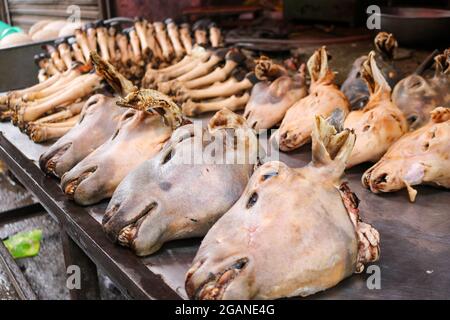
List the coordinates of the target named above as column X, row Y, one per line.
column 206, row 81
column 50, row 108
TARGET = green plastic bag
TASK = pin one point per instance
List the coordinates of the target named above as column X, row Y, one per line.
column 24, row 244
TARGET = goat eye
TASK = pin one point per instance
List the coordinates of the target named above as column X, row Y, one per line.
column 252, row 200
column 115, row 134
column 269, row 175
column 168, row 156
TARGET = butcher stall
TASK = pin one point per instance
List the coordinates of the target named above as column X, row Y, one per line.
column 230, row 149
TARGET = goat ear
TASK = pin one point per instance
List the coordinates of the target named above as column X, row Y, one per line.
column 116, row 80
column 372, row 75
column 331, row 148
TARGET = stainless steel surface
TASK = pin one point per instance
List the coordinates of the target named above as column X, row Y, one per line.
column 415, row 240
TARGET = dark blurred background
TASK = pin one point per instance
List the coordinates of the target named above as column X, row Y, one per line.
column 24, row 13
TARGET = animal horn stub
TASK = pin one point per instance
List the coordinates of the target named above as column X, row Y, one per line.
column 116, row 80
column 386, row 44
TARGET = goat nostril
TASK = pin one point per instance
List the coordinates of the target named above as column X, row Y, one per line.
column 382, row 178
column 240, row 264
column 110, row 213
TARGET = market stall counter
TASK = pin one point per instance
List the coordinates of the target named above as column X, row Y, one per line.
column 415, row 247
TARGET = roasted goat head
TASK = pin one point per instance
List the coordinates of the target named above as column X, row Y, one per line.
column 98, row 122
column 380, row 123
column 174, row 196
column 293, row 232
column 355, row 88
column 323, row 98
column 417, row 95
column 419, row 157
column 271, row 98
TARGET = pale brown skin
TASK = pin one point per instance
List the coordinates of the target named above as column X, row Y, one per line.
column 294, row 231
column 380, row 123
column 269, row 100
column 417, row 96
column 140, row 135
column 98, row 123
column 419, row 157
column 159, row 201
column 324, row 97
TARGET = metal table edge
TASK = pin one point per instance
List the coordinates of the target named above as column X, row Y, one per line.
column 141, row 283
